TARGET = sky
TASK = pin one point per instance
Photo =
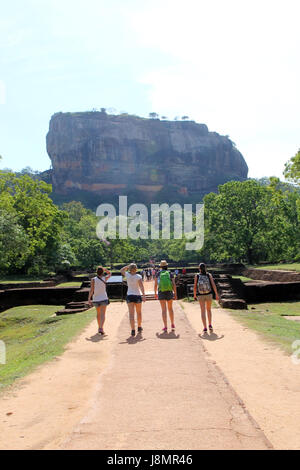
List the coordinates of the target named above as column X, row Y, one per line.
column 233, row 65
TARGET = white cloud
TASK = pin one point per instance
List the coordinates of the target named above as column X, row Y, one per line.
column 234, row 66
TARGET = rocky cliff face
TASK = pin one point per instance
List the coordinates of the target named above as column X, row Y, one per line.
column 100, row 153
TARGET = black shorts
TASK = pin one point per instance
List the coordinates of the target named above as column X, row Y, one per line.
column 135, row 299
column 166, row 295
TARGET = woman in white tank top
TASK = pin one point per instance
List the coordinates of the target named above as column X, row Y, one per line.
column 134, row 298
column 99, row 295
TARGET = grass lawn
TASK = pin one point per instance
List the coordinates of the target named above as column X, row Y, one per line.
column 278, row 308
column 70, row 284
column 32, row 336
column 17, row 279
column 242, row 278
column 268, row 319
column 284, row 267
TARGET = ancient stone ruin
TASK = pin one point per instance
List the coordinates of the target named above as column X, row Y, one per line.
column 265, row 286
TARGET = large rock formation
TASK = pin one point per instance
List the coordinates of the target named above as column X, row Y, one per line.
column 100, row 153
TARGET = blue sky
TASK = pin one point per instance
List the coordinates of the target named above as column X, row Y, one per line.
column 232, row 65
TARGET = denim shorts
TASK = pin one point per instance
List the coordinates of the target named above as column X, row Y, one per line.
column 101, row 302
column 205, row 297
column 135, row 299
column 167, row 295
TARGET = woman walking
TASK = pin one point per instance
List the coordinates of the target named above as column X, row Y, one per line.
column 204, row 285
column 166, row 288
column 134, row 298
column 99, row 295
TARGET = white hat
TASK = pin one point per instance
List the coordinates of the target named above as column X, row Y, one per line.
column 163, row 263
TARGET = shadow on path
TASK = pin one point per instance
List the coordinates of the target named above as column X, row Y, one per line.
column 210, row 337
column 96, row 338
column 134, row 339
column 170, row 335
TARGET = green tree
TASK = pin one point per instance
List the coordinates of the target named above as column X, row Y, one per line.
column 80, row 233
column 64, row 257
column 35, row 212
column 283, row 228
column 14, row 248
column 235, row 221
column 76, row 210
column 292, row 168
column 89, row 252
column 251, row 222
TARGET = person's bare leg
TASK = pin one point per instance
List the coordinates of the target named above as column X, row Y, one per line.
column 171, row 312
column 102, row 316
column 138, row 308
column 203, row 314
column 131, row 315
column 163, row 304
column 98, row 316
column 208, row 309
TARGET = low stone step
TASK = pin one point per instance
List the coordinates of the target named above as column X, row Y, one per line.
column 70, row 311
column 235, row 304
column 72, row 305
column 228, row 295
column 81, row 295
column 86, row 284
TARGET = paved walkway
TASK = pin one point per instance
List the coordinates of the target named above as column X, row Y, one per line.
column 161, row 391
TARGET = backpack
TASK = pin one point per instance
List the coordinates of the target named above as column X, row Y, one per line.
column 204, row 286
column 165, row 283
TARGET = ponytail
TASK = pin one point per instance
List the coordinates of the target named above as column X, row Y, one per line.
column 100, row 271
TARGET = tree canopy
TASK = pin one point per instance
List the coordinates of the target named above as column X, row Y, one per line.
column 292, row 168
column 251, row 222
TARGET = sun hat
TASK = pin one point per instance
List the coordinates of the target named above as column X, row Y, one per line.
column 163, row 263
